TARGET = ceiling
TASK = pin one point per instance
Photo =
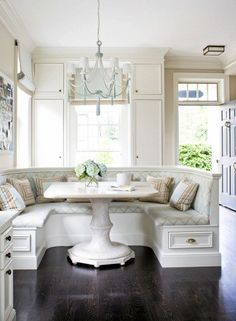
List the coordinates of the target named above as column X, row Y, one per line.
column 185, row 26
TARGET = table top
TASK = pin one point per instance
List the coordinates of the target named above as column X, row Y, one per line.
column 78, row 190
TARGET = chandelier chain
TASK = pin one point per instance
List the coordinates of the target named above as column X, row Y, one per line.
column 98, row 15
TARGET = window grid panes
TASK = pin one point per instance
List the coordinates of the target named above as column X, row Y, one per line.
column 192, row 92
column 102, row 138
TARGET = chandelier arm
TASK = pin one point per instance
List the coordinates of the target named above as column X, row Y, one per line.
column 76, row 86
column 124, row 88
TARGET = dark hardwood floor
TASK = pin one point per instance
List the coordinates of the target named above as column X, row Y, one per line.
column 140, row 291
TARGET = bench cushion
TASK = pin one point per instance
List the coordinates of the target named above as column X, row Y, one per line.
column 33, row 216
column 36, row 215
column 164, row 214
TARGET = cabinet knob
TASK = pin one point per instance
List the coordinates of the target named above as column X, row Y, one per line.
column 137, row 156
column 60, row 90
column 9, row 272
column 190, row 241
column 60, row 157
column 8, row 238
column 136, row 90
column 8, row 255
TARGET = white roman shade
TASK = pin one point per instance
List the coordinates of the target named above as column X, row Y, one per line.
column 24, row 68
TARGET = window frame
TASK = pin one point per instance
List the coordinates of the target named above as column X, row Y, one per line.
column 188, row 101
column 211, row 77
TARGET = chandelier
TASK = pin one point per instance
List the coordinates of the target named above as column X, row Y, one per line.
column 102, row 82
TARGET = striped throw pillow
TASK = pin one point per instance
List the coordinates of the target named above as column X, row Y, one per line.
column 42, row 183
column 23, row 187
column 10, row 199
column 163, row 186
column 184, row 194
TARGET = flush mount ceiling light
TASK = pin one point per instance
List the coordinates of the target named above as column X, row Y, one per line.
column 213, row 50
column 99, row 82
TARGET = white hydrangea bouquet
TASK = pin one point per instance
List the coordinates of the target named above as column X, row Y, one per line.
column 90, row 171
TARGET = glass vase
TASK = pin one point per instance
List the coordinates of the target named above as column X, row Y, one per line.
column 92, row 182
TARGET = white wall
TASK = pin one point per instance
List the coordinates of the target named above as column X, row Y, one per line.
column 7, row 67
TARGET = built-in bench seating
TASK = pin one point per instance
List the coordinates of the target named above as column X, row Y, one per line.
column 178, row 238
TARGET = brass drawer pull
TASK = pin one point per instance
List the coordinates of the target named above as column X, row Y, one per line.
column 8, row 255
column 8, row 238
column 8, row 272
column 190, row 241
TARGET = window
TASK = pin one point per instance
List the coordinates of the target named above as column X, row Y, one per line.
column 192, row 92
column 198, row 121
column 102, row 138
column 23, row 128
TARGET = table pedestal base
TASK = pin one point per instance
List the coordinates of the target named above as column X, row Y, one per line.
column 100, row 250
column 84, row 253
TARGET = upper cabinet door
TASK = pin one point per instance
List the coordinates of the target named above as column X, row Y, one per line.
column 49, row 79
column 147, row 81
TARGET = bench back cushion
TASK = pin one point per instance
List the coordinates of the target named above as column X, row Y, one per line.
column 204, row 180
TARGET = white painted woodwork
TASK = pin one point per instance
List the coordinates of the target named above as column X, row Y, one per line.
column 7, row 313
column 6, row 239
column 48, row 133
column 99, row 250
column 185, row 240
column 49, row 78
column 148, row 132
column 228, row 155
column 147, row 80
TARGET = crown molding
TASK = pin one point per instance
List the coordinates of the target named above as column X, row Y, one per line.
column 14, row 24
column 125, row 53
column 188, row 62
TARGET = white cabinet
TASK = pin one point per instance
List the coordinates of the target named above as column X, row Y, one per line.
column 48, row 133
column 7, row 313
column 148, row 132
column 49, row 79
column 147, row 81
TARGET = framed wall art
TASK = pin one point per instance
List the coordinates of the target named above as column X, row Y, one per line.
column 6, row 113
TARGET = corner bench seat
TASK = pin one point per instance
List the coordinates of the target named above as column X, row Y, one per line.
column 35, row 216
column 165, row 229
column 164, row 214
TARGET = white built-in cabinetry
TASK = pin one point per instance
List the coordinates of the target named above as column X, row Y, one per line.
column 148, row 113
column 7, row 313
column 148, row 132
column 49, row 79
column 48, row 132
column 50, row 111
column 147, row 81
column 48, row 115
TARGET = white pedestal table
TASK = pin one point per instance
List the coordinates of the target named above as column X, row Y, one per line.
column 100, row 250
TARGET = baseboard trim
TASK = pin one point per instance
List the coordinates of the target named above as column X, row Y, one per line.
column 166, row 260
column 28, row 262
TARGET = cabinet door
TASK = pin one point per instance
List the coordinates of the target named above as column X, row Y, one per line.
column 148, row 132
column 49, row 78
column 48, row 133
column 147, row 80
column 6, row 292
